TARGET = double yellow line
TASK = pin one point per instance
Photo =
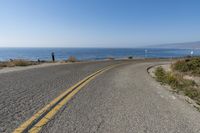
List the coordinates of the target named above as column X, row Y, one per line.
column 42, row 117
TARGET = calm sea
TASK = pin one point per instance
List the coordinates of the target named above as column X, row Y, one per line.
column 91, row 53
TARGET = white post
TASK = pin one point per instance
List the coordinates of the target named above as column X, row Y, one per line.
column 192, row 52
column 146, row 53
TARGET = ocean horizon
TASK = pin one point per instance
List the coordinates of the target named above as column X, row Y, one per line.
column 92, row 53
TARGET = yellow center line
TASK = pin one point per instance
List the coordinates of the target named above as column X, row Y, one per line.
column 59, row 102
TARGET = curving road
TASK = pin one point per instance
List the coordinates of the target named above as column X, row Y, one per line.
column 23, row 93
column 123, row 99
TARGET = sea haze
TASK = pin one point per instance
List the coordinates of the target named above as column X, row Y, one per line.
column 91, row 53
column 186, row 45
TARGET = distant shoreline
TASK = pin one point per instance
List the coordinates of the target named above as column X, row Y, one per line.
column 90, row 54
column 48, row 63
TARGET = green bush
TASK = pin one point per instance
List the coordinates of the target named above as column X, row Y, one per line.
column 189, row 82
column 188, row 65
column 172, row 80
column 191, row 92
column 181, row 66
column 196, row 71
column 160, row 74
column 130, row 57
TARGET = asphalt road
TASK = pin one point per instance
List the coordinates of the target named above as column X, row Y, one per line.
column 124, row 99
column 23, row 93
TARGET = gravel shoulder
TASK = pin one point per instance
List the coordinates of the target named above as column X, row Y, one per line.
column 125, row 99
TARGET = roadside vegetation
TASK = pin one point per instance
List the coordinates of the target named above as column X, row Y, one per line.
column 21, row 62
column 13, row 63
column 189, row 66
column 130, row 57
column 72, row 59
column 178, row 83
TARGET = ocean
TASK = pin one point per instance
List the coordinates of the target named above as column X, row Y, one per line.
column 91, row 53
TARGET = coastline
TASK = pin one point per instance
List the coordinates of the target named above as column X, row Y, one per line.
column 48, row 64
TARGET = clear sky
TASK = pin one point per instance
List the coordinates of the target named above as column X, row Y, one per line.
column 97, row 23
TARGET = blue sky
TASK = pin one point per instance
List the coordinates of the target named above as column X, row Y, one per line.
column 97, row 23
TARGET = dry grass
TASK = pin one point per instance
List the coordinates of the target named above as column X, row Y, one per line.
column 2, row 64
column 72, row 59
column 14, row 63
column 188, row 66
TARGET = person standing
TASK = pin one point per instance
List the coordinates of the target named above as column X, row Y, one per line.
column 53, row 56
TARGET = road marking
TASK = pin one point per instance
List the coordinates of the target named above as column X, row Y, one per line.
column 42, row 117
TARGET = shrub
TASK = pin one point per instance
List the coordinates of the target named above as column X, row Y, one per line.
column 191, row 92
column 130, row 57
column 13, row 63
column 189, row 82
column 191, row 65
column 72, row 59
column 21, row 63
column 172, row 80
column 181, row 66
column 3, row 64
column 196, row 71
column 167, row 78
column 160, row 74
